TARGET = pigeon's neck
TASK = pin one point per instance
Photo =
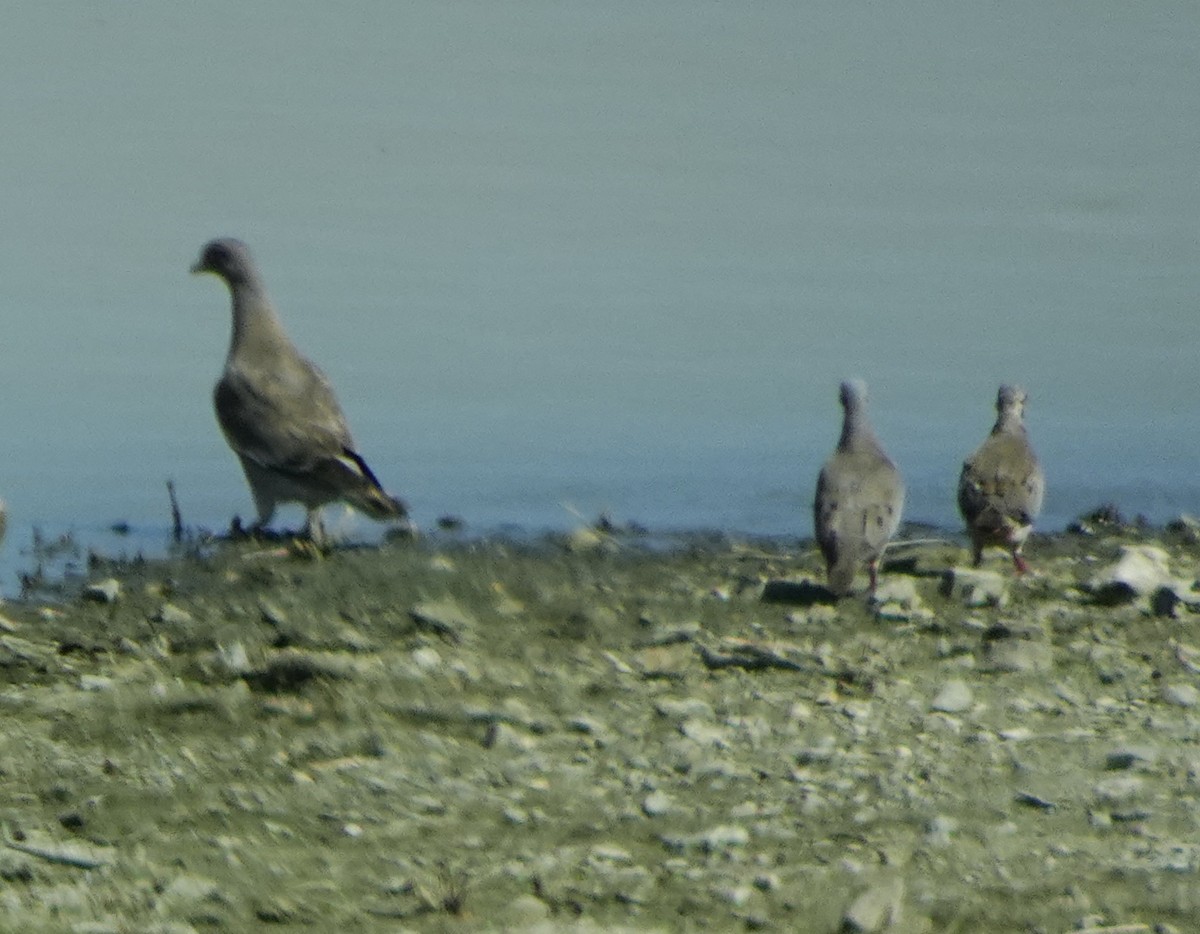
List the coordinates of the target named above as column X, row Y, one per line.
column 1009, row 422
column 256, row 326
column 856, row 431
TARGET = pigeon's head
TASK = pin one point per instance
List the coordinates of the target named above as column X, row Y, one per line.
column 228, row 258
column 853, row 395
column 1010, row 399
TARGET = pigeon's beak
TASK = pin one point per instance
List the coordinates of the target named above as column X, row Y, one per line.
column 198, row 267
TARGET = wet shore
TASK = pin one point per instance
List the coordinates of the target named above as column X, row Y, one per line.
column 605, row 731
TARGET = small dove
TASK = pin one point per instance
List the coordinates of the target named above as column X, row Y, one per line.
column 860, row 497
column 1001, row 486
column 278, row 410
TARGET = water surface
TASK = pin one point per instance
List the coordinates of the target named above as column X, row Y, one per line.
column 564, row 258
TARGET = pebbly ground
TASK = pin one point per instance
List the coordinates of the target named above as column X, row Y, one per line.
column 606, row 733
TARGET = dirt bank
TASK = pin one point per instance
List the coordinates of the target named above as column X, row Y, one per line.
column 601, row 732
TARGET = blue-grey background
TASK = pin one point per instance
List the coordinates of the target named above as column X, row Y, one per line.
column 562, row 258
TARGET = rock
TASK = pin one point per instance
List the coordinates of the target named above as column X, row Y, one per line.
column 1011, row 648
column 105, row 591
column 714, row 840
column 974, row 587
column 503, row 736
column 901, row 591
column 876, row 909
column 232, row 659
column 1120, row 789
column 1181, row 695
column 1130, row 757
column 1138, row 572
column 271, row 614
column 443, row 617
column 170, row 615
column 524, row 912
column 656, row 804
column 705, row 733
column 690, row 708
column 1165, row 602
column 954, row 697
column 939, row 830
column 426, row 658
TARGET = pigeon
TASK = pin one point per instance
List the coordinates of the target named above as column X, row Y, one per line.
column 1001, row 486
column 278, row 410
column 860, row 497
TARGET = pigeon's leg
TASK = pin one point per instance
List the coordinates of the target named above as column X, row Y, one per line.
column 314, row 530
column 873, row 573
column 1021, row 564
column 266, row 512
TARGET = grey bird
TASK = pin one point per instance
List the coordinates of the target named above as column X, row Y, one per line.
column 278, row 410
column 1001, row 486
column 860, row 497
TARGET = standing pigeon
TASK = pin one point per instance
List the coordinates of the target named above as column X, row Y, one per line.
column 1001, row 486
column 860, row 497
column 278, row 411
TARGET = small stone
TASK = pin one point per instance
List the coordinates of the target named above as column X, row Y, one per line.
column 444, row 617
column 170, row 615
column 1181, row 695
column 940, row 829
column 1165, row 603
column 585, row 539
column 954, row 697
column 525, row 912
column 656, row 804
column 1019, row 655
column 611, row 853
column 105, row 591
column 271, row 614
column 690, row 708
column 875, row 909
column 189, row 888
column 95, row 683
column 427, row 658
column 715, row 840
column 898, row 592
column 706, row 734
column 503, row 736
column 1120, row 789
column 1129, row 757
column 1137, row 572
column 974, row 587
column 736, row 895
column 233, row 658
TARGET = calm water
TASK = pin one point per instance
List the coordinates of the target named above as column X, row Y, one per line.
column 562, row 258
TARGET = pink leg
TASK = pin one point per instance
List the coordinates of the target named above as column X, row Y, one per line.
column 1022, row 566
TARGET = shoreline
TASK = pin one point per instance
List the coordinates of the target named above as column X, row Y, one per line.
column 585, row 733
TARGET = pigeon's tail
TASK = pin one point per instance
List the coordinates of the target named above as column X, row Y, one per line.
column 370, row 497
column 377, row 504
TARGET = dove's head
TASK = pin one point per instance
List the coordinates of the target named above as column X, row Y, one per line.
column 1010, row 399
column 228, row 258
column 853, row 395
